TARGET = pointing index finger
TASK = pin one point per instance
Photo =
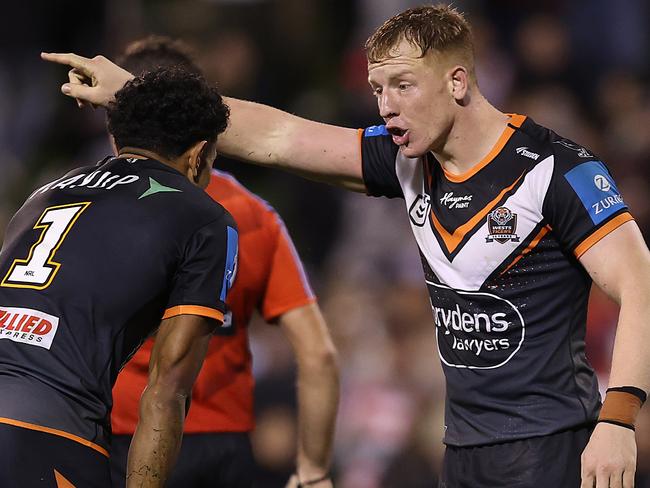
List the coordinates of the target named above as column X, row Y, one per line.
column 69, row 59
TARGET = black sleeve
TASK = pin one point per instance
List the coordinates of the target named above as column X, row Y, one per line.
column 582, row 204
column 378, row 156
column 206, row 272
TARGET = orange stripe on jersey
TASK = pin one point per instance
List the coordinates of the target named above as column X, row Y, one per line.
column 543, row 231
column 452, row 240
column 193, row 310
column 60, row 433
column 601, row 232
column 61, row 481
column 516, row 121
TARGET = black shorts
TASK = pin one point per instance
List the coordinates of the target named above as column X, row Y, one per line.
column 31, row 458
column 206, row 460
column 552, row 460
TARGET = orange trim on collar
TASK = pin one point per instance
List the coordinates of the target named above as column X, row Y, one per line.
column 515, row 120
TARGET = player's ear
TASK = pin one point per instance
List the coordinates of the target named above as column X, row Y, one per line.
column 458, row 82
column 195, row 159
column 111, row 140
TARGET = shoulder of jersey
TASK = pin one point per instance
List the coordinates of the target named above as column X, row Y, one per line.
column 210, row 206
column 566, row 153
column 182, row 201
column 249, row 210
column 378, row 135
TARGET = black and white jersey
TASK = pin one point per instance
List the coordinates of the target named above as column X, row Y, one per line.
column 90, row 265
column 500, row 247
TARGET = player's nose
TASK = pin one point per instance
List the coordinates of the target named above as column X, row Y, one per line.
column 387, row 108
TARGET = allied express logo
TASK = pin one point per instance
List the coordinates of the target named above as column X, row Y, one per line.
column 502, row 225
column 28, row 326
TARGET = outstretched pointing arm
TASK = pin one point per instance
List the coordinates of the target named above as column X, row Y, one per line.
column 267, row 136
column 102, row 77
column 257, row 133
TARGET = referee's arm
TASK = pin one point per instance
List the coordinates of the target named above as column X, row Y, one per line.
column 318, row 391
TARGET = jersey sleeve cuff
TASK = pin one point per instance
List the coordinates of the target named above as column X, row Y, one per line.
column 601, row 232
column 211, row 313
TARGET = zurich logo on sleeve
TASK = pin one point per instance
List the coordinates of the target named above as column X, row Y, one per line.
column 231, row 263
column 375, row 130
column 596, row 189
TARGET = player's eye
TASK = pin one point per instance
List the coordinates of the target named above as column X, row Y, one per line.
column 404, row 86
column 376, row 91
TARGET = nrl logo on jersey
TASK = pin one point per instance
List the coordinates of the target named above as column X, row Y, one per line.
column 523, row 151
column 420, row 209
column 502, row 225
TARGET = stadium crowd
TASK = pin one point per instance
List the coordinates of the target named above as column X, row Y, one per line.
column 581, row 67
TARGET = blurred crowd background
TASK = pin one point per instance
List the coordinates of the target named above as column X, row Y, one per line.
column 580, row 67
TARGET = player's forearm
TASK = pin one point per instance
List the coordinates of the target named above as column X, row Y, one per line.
column 267, row 136
column 255, row 133
column 157, row 438
column 318, row 395
column 630, row 362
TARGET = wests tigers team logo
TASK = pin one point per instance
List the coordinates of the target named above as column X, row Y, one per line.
column 502, row 225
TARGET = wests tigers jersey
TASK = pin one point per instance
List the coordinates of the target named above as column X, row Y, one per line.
column 500, row 247
column 270, row 279
column 90, row 265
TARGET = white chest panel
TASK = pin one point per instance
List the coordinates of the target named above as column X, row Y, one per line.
column 478, row 258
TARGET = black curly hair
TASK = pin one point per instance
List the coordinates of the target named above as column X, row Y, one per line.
column 167, row 111
column 153, row 52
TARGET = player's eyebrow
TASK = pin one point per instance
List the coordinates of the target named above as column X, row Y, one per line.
column 401, row 73
column 393, row 76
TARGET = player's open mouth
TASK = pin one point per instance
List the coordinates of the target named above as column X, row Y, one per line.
column 400, row 136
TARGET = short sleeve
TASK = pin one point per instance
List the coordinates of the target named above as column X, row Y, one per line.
column 287, row 286
column 583, row 205
column 206, row 272
column 378, row 157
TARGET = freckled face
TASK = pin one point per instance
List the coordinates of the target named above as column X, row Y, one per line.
column 413, row 99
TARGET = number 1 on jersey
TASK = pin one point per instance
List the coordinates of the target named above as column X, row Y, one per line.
column 39, row 269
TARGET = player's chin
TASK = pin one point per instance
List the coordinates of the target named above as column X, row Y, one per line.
column 411, row 150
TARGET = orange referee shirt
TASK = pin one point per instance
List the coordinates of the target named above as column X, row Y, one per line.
column 270, row 278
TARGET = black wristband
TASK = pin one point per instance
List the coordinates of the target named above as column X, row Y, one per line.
column 304, row 484
column 614, row 422
column 632, row 390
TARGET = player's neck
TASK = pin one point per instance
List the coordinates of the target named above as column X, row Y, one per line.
column 474, row 133
column 139, row 153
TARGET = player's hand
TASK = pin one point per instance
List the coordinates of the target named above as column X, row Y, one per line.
column 94, row 81
column 76, row 77
column 609, row 460
column 294, row 483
